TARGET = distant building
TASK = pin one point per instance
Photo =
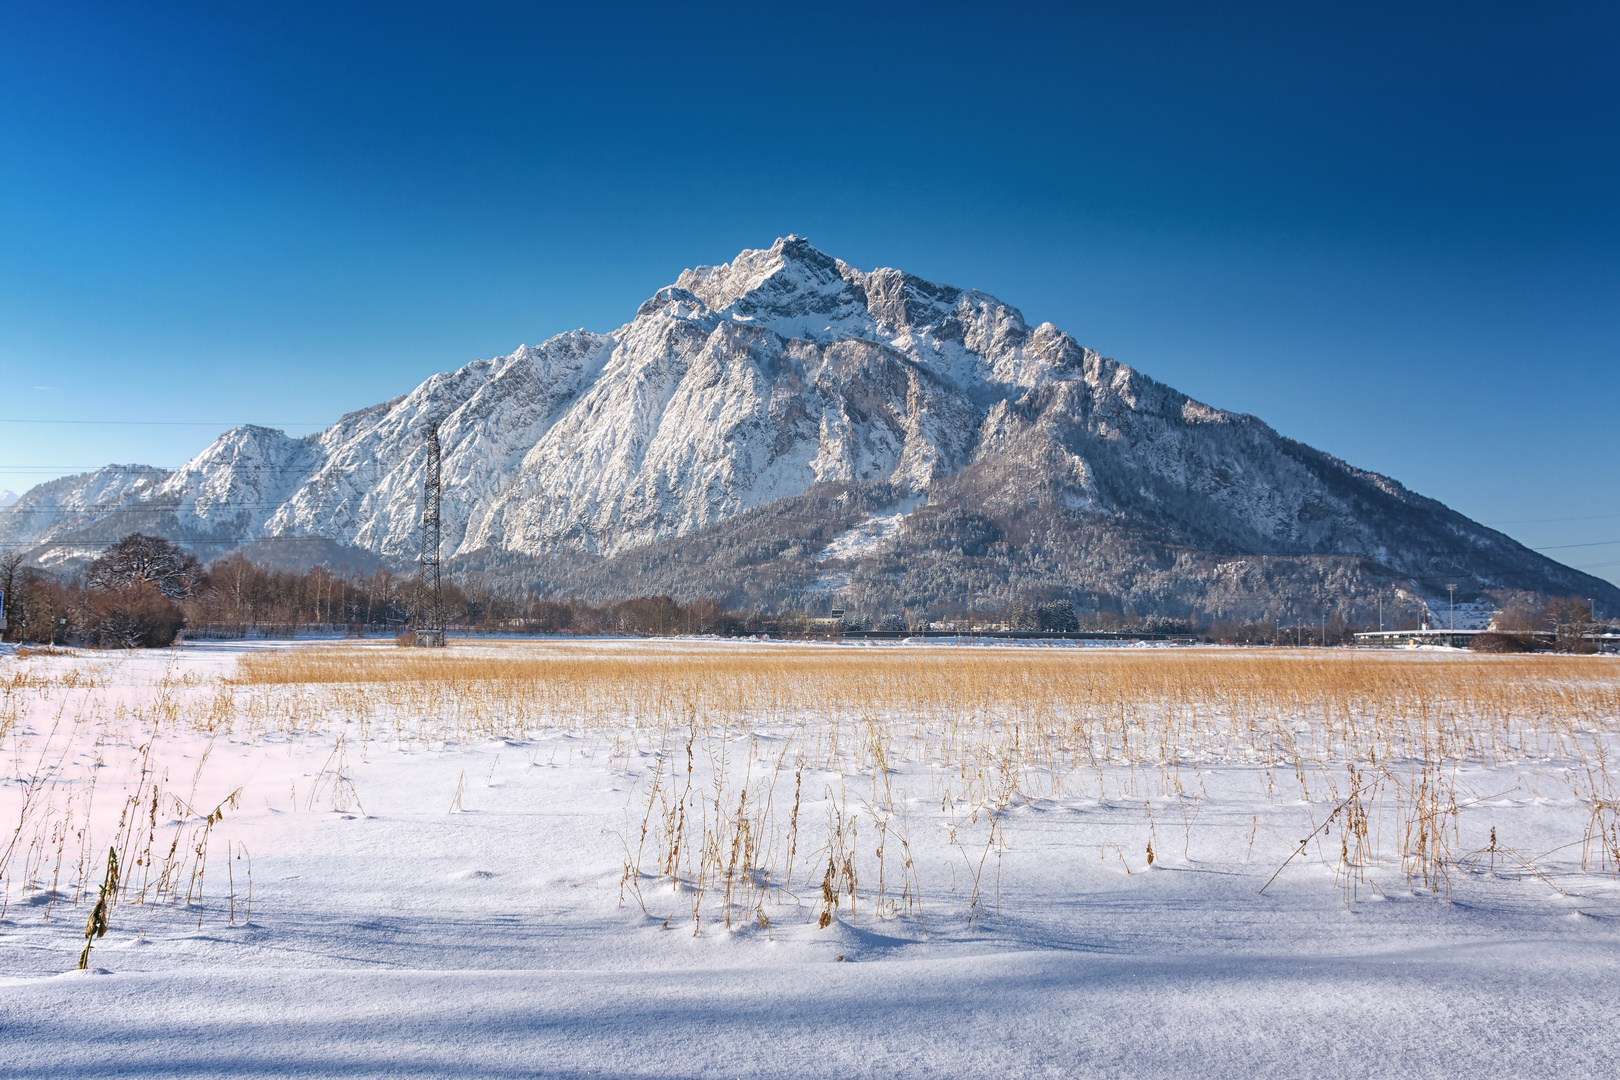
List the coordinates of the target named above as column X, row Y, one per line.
column 1457, row 639
column 1462, row 639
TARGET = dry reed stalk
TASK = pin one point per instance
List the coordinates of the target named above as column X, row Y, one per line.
column 96, row 926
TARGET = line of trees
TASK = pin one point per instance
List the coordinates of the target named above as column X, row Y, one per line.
column 1526, row 622
column 128, row 598
column 240, row 598
column 143, row 590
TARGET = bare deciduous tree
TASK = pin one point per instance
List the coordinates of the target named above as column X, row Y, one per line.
column 1572, row 624
column 9, row 562
column 139, row 559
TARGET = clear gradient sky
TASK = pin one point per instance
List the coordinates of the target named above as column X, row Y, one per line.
column 1390, row 230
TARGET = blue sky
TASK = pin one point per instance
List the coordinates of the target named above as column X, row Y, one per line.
column 1390, row 233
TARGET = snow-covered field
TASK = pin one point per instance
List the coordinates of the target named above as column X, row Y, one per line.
column 887, row 861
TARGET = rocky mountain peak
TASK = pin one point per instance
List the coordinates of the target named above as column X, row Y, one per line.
column 789, row 266
column 790, row 288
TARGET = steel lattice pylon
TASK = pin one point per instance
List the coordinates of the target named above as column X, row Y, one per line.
column 430, row 605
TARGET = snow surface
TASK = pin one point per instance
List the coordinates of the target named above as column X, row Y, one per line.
column 7, row 496
column 1465, row 615
column 830, row 584
column 870, row 536
column 396, row 938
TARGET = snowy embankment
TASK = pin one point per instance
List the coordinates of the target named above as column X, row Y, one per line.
column 523, row 860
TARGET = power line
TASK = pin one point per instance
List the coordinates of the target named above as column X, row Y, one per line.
column 186, row 540
column 176, row 423
column 1543, row 521
column 159, row 468
column 1558, row 547
column 138, row 508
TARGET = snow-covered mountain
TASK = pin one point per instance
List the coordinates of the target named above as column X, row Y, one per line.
column 48, row 514
column 747, row 383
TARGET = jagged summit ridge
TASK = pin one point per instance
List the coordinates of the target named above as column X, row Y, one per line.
column 750, row 381
column 754, row 381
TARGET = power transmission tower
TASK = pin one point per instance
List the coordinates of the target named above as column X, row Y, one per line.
column 430, row 611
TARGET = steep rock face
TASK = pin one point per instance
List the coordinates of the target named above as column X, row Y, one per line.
column 366, row 488
column 690, row 425
column 747, row 383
